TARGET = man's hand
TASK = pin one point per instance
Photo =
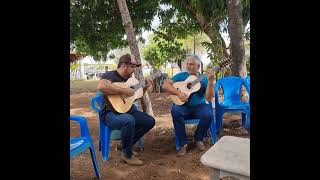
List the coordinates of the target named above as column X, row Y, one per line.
column 148, row 82
column 147, row 85
column 182, row 96
column 211, row 75
column 128, row 92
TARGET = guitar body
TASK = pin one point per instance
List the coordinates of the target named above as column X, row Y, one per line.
column 122, row 104
column 183, row 87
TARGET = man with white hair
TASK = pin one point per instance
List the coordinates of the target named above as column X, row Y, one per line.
column 195, row 106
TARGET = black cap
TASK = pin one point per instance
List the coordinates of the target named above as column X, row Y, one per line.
column 127, row 59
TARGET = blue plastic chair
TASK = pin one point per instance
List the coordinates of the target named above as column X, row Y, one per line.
column 196, row 121
column 80, row 144
column 104, row 130
column 247, row 124
column 231, row 87
column 248, row 80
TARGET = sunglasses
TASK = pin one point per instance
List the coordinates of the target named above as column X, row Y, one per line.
column 133, row 65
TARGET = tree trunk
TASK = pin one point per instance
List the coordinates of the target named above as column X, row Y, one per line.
column 236, row 31
column 211, row 30
column 127, row 24
column 156, row 87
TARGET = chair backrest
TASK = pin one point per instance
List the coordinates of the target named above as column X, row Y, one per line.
column 84, row 130
column 97, row 99
column 231, row 87
column 248, row 79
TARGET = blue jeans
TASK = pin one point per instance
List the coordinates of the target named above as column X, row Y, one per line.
column 133, row 126
column 180, row 113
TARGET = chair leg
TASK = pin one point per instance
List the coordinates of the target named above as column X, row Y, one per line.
column 101, row 132
column 94, row 161
column 219, row 119
column 213, row 132
column 106, row 144
column 244, row 117
column 102, row 141
column 103, row 149
column 247, row 125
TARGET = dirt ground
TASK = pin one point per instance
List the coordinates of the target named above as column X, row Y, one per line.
column 159, row 156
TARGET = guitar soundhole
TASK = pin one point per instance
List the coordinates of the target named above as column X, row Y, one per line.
column 189, row 86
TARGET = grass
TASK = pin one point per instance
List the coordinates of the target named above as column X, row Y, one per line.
column 86, row 85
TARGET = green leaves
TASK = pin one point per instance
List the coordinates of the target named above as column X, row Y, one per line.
column 215, row 50
column 162, row 49
column 98, row 24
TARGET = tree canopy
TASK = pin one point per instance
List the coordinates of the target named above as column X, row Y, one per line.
column 96, row 26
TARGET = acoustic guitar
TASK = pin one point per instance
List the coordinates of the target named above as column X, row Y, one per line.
column 191, row 84
column 122, row 103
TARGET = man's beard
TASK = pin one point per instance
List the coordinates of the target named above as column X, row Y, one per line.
column 129, row 75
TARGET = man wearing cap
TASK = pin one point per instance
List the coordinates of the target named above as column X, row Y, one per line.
column 133, row 124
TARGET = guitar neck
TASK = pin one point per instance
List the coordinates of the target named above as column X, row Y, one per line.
column 143, row 83
column 139, row 85
column 215, row 68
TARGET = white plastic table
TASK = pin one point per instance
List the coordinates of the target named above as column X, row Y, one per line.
column 230, row 156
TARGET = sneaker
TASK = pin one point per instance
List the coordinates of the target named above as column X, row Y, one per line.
column 119, row 149
column 200, row 145
column 132, row 160
column 183, row 150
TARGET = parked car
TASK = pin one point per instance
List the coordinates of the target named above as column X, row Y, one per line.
column 91, row 75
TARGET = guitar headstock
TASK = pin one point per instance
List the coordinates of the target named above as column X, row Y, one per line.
column 222, row 64
column 225, row 63
column 156, row 74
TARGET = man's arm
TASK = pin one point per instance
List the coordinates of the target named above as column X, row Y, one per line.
column 211, row 82
column 210, row 91
column 147, row 85
column 167, row 85
column 108, row 88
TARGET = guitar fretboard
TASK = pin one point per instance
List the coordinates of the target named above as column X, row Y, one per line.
column 139, row 85
column 143, row 83
column 215, row 68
